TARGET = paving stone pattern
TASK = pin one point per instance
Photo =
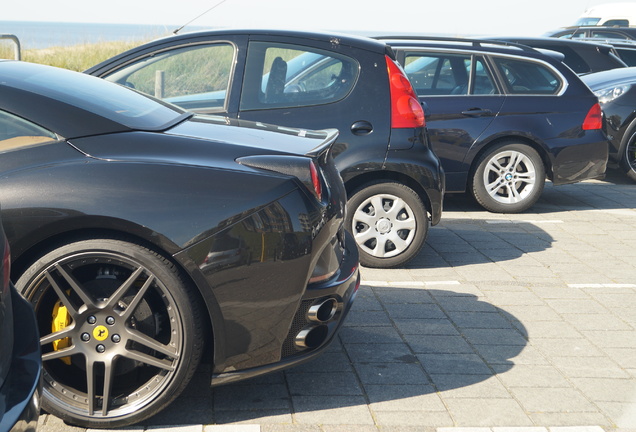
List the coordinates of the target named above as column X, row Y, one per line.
column 503, row 323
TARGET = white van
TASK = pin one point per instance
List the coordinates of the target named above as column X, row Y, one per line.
column 609, row 14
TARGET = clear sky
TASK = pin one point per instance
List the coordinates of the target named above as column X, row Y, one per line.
column 454, row 17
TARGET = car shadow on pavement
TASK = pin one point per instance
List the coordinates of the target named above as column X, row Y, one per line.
column 469, row 235
column 458, row 242
column 399, row 347
column 615, row 191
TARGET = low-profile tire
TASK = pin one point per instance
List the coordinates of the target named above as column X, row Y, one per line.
column 628, row 161
column 389, row 222
column 120, row 328
column 509, row 178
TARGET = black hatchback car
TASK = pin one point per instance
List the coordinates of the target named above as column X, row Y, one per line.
column 312, row 80
column 503, row 116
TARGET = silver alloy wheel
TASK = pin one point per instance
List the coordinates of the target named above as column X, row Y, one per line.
column 509, row 177
column 384, row 225
column 119, row 336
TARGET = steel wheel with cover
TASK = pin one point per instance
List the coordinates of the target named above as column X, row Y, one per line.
column 388, row 221
column 509, row 178
column 120, row 331
column 628, row 161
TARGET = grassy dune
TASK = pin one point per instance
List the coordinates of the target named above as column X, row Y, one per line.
column 76, row 57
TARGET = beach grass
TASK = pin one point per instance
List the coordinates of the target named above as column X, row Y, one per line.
column 75, row 57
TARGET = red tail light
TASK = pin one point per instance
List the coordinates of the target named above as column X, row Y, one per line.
column 594, row 118
column 315, row 180
column 406, row 109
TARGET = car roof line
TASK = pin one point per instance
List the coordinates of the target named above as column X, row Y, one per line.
column 474, row 42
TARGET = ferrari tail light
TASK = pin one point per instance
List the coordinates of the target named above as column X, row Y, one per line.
column 303, row 168
column 315, row 180
column 406, row 109
column 594, row 118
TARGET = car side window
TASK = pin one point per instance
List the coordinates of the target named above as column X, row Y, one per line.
column 16, row 132
column 285, row 76
column 442, row 74
column 573, row 35
column 616, row 23
column 483, row 82
column 526, row 77
column 628, row 55
column 194, row 77
column 608, row 35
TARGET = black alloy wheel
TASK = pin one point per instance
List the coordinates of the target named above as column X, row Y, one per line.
column 509, row 178
column 628, row 161
column 120, row 331
column 389, row 223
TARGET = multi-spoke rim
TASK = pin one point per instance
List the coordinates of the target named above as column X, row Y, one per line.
column 384, row 225
column 509, row 177
column 630, row 154
column 120, row 339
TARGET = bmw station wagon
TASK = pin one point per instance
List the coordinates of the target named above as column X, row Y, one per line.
column 502, row 117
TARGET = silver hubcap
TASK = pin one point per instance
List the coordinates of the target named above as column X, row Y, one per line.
column 384, row 225
column 509, row 177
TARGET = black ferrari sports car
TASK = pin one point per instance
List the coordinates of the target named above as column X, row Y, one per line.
column 141, row 232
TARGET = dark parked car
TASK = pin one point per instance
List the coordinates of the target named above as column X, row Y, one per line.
column 312, row 80
column 616, row 91
column 141, row 232
column 623, row 39
column 503, row 117
column 20, row 364
column 593, row 32
column 626, row 49
column 581, row 56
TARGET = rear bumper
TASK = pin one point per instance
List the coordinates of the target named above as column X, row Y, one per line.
column 310, row 333
column 583, row 161
column 21, row 390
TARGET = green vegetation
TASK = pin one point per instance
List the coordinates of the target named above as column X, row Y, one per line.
column 184, row 71
column 76, row 57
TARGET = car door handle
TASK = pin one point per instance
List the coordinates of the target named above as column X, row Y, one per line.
column 361, row 127
column 477, row 112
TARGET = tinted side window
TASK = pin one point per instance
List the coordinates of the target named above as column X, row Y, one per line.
column 525, row 77
column 627, row 55
column 438, row 73
column 483, row 82
column 608, row 35
column 193, row 77
column 17, row 132
column 617, row 23
column 287, row 76
column 447, row 74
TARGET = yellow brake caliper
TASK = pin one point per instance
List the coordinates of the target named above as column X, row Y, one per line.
column 61, row 320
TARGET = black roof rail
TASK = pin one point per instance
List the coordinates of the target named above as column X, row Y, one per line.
column 17, row 51
column 474, row 42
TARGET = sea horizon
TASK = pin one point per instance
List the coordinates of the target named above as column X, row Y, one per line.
column 44, row 34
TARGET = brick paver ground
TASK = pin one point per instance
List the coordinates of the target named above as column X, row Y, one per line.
column 504, row 323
